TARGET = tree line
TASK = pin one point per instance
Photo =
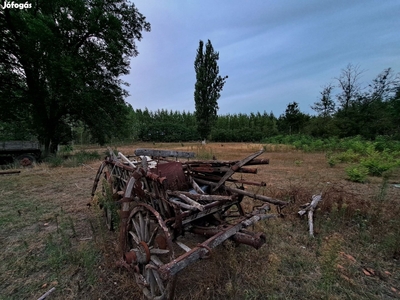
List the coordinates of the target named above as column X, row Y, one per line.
column 368, row 111
column 345, row 108
column 60, row 69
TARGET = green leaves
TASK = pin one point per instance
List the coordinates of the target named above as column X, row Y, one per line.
column 207, row 88
column 67, row 56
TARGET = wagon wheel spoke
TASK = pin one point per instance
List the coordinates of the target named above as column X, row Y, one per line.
column 158, row 280
column 150, row 241
column 134, row 237
column 142, row 227
column 137, row 229
column 147, row 228
column 153, row 235
column 159, row 251
column 152, row 281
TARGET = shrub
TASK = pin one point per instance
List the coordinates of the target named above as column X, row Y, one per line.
column 357, row 173
column 377, row 162
column 375, row 166
column 345, row 157
column 332, row 161
column 54, row 161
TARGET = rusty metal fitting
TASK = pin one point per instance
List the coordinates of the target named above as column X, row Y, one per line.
column 146, row 250
column 208, row 255
column 130, row 257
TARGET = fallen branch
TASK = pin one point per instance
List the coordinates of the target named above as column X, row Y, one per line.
column 47, row 293
column 9, row 172
column 83, row 165
column 310, row 209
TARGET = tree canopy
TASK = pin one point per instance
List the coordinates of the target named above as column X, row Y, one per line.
column 208, row 86
column 60, row 63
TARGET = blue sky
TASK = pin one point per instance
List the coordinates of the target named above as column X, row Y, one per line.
column 274, row 52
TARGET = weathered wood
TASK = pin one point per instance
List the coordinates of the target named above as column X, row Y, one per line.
column 207, row 197
column 218, row 178
column 19, row 145
column 255, row 161
column 126, row 159
column 235, row 167
column 195, row 186
column 203, row 249
column 182, row 205
column 9, row 172
column 248, row 194
column 210, row 169
column 186, row 199
column 310, row 209
column 44, row 296
column 310, row 206
column 164, row 153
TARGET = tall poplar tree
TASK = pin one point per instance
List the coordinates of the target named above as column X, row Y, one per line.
column 208, row 86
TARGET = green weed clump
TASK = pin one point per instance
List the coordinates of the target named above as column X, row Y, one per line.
column 357, row 173
column 71, row 160
column 202, row 152
column 346, row 157
column 331, row 247
column 109, row 206
column 378, row 162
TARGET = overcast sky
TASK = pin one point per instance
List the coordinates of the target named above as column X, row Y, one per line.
column 274, row 52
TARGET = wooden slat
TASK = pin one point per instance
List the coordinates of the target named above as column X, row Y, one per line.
column 163, row 153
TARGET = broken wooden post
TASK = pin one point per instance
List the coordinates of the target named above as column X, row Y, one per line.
column 310, row 209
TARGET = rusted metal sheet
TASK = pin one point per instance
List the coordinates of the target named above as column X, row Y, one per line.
column 174, row 175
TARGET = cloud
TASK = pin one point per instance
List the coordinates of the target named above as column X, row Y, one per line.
column 274, row 52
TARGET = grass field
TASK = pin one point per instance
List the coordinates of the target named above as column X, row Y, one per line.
column 50, row 237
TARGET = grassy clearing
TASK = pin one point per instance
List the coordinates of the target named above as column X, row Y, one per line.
column 50, row 237
column 46, row 241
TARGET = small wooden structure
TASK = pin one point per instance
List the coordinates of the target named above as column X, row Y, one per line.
column 160, row 199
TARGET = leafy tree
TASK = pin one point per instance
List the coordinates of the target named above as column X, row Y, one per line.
column 208, row 86
column 325, row 107
column 293, row 120
column 62, row 60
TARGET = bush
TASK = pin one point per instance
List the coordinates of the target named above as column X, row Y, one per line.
column 54, row 161
column 357, row 173
column 348, row 156
column 72, row 161
column 377, row 162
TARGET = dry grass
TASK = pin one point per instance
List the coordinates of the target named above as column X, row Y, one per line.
column 50, row 237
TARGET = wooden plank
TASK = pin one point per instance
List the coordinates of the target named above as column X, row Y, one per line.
column 186, row 199
column 19, row 145
column 208, row 169
column 248, row 194
column 203, row 249
column 235, row 167
column 9, row 172
column 163, row 153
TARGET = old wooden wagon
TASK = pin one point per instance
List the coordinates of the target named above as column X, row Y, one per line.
column 160, row 201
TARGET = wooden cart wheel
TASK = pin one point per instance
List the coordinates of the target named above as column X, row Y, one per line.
column 149, row 247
